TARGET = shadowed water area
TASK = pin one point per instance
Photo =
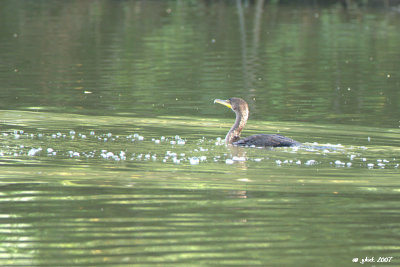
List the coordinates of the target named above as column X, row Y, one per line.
column 112, row 151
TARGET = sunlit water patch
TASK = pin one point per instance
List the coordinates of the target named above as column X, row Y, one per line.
column 136, row 147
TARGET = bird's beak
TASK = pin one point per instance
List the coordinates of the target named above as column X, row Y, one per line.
column 223, row 102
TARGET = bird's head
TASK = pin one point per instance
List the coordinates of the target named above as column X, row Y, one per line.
column 234, row 103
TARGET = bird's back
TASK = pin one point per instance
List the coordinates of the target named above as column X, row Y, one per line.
column 266, row 140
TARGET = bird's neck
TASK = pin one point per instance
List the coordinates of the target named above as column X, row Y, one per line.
column 234, row 133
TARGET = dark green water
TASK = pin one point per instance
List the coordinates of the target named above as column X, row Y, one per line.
column 110, row 144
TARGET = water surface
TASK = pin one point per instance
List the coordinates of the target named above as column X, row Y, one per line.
column 111, row 149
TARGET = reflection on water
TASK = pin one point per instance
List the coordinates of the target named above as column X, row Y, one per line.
column 324, row 65
column 111, row 150
column 143, row 217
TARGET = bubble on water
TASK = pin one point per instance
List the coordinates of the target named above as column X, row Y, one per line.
column 311, row 162
column 348, row 164
column 104, row 154
column 257, row 160
column 370, row 165
column 50, row 150
column 181, row 142
column 338, row 162
column 92, row 133
column 219, row 141
column 194, row 161
column 83, row 136
column 157, row 141
column 235, row 158
column 72, row 132
column 140, row 138
column 229, row 161
column 171, row 154
column 33, row 151
column 172, row 142
column 73, row 154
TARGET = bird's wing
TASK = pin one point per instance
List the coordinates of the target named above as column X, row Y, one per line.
column 266, row 140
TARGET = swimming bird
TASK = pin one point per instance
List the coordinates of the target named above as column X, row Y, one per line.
column 241, row 109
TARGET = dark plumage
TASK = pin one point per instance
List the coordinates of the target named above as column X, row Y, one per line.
column 241, row 109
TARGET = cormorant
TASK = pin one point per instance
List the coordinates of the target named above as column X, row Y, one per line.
column 241, row 109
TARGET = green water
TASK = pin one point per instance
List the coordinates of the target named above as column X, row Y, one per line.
column 111, row 149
